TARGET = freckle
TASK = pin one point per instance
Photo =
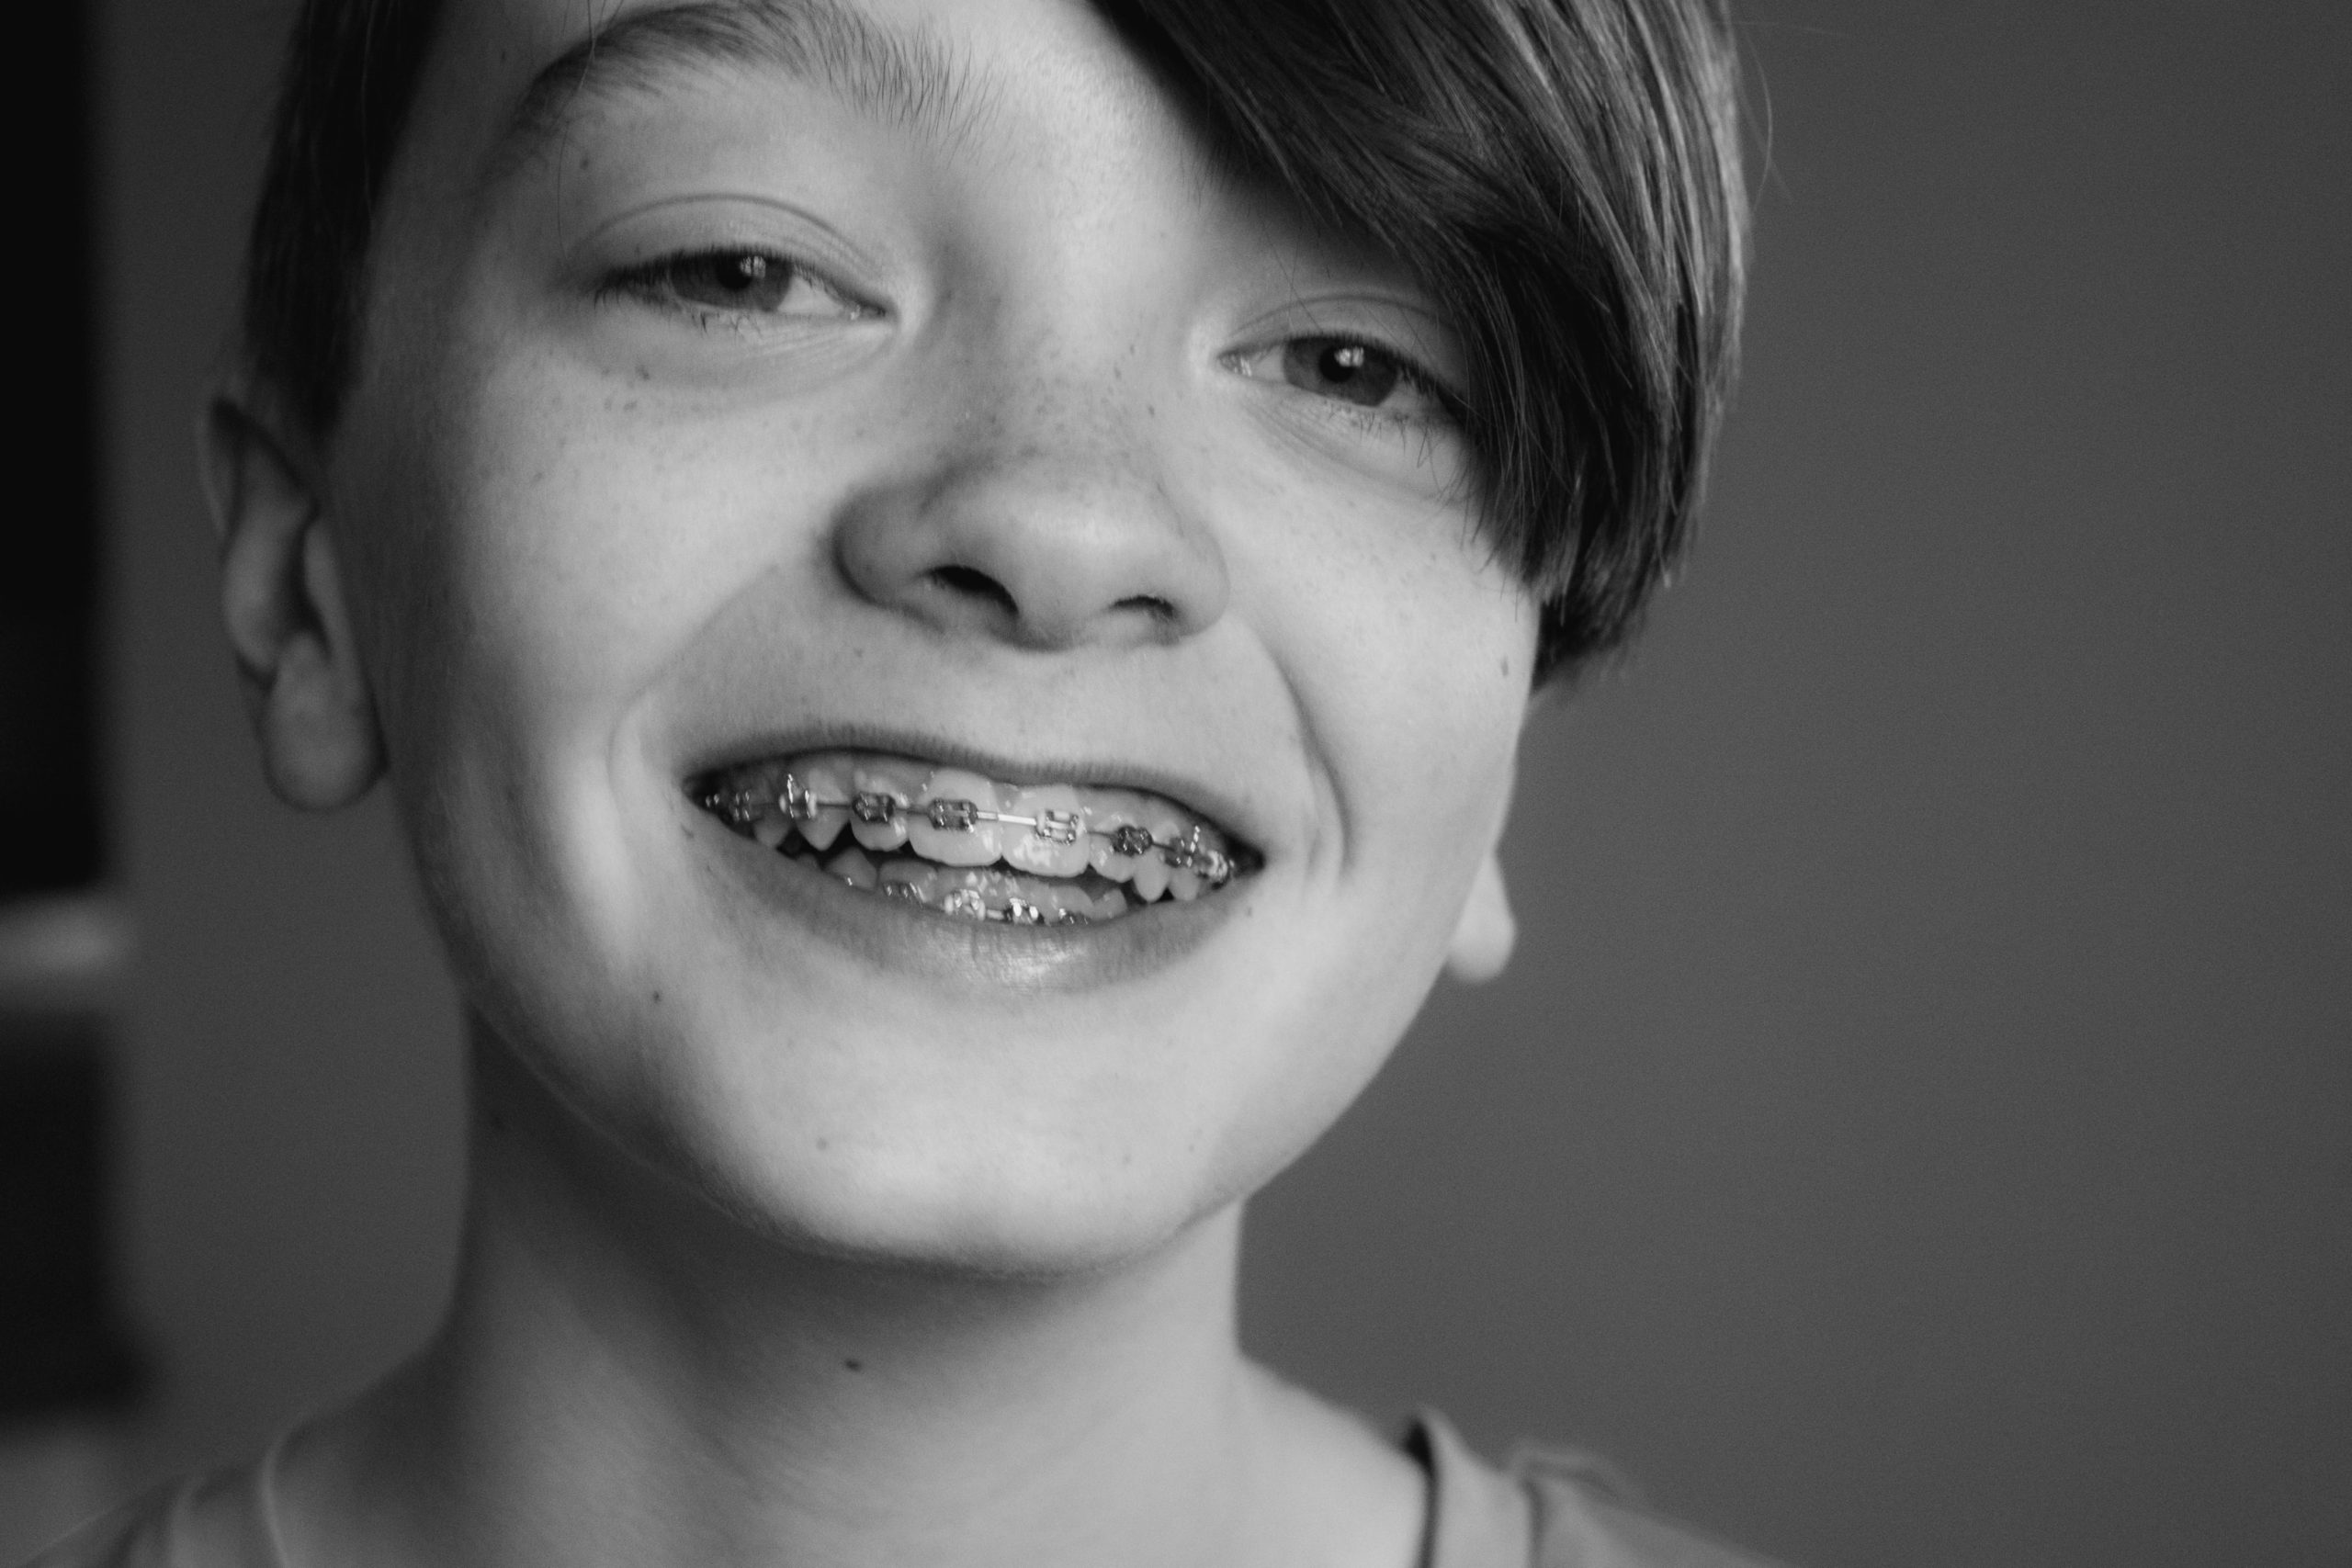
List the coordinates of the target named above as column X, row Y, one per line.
column 823, row 1145
column 657, row 998
column 853, row 1364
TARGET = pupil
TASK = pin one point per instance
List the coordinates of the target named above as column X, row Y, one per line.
column 1351, row 372
column 747, row 272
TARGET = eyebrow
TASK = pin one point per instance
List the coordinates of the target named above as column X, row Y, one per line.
column 909, row 78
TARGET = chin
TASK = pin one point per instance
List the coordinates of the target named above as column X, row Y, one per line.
column 993, row 1212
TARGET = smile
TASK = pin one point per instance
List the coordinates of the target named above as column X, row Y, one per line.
column 970, row 847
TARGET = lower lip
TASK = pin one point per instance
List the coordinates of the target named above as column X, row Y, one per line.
column 910, row 939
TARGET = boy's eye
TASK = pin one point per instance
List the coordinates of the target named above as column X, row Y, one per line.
column 738, row 284
column 1352, row 371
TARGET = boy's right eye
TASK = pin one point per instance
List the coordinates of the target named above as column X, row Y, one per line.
column 743, row 286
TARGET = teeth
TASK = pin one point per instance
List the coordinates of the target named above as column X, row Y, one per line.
column 1052, row 846
column 919, row 878
column 936, row 836
column 1066, row 901
column 1150, row 877
column 821, row 832
column 852, row 866
column 878, row 794
column 952, row 799
column 888, row 833
column 992, row 887
column 823, row 778
column 1166, row 824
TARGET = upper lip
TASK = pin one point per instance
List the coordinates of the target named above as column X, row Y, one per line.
column 1200, row 796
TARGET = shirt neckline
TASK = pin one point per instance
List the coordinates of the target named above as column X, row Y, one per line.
column 1478, row 1518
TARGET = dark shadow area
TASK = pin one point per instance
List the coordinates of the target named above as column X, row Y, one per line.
column 66, row 1363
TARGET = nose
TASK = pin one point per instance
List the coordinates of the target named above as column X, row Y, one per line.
column 1039, row 540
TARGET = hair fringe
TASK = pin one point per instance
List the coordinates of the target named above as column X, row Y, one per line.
column 1564, row 175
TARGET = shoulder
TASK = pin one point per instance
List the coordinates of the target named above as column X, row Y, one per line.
column 1550, row 1508
column 209, row 1521
column 1583, row 1518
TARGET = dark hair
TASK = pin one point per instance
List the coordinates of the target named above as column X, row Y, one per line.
column 1563, row 174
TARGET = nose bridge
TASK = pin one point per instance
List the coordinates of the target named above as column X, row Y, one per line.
column 1063, row 354
column 1045, row 517
column 1063, row 422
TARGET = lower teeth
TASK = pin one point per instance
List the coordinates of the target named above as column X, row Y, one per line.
column 991, row 894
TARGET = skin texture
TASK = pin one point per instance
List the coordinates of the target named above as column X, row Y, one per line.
column 805, row 1227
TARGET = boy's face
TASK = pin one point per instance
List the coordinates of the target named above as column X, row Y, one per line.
column 906, row 384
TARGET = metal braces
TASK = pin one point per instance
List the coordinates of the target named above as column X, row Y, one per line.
column 1188, row 852
column 969, row 905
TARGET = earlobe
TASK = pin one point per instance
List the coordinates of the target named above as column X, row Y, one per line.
column 1485, row 934
column 282, row 600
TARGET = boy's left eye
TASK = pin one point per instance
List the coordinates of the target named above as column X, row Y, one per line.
column 1352, row 371
column 711, row 284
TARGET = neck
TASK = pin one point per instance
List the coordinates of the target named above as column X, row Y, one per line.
column 628, row 1375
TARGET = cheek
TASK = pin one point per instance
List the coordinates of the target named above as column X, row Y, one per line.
column 533, row 557
column 1407, row 657
column 1409, row 652
column 552, row 549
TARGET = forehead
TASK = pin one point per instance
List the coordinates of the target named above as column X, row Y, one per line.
column 508, row 81
column 900, row 69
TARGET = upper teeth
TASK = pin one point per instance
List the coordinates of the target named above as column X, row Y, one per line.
column 1190, row 850
column 956, row 818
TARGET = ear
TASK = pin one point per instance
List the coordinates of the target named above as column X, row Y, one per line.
column 1484, row 936
column 281, row 597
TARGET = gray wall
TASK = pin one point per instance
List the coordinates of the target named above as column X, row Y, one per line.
column 1919, row 1128
column 293, row 1096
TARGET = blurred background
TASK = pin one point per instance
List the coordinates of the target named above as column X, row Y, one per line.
column 1918, row 1127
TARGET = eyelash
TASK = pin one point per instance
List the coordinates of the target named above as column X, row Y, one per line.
column 657, row 284
column 1402, row 369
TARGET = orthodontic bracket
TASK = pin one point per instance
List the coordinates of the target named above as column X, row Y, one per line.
column 1189, row 851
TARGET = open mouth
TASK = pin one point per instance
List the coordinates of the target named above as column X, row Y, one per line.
column 970, row 847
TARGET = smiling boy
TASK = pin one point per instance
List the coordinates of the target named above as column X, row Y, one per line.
column 946, row 590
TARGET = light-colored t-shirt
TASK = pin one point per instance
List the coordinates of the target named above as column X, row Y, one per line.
column 1549, row 1509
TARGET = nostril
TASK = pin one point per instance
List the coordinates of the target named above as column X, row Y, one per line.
column 971, row 582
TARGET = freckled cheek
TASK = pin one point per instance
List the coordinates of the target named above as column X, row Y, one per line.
column 581, row 548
